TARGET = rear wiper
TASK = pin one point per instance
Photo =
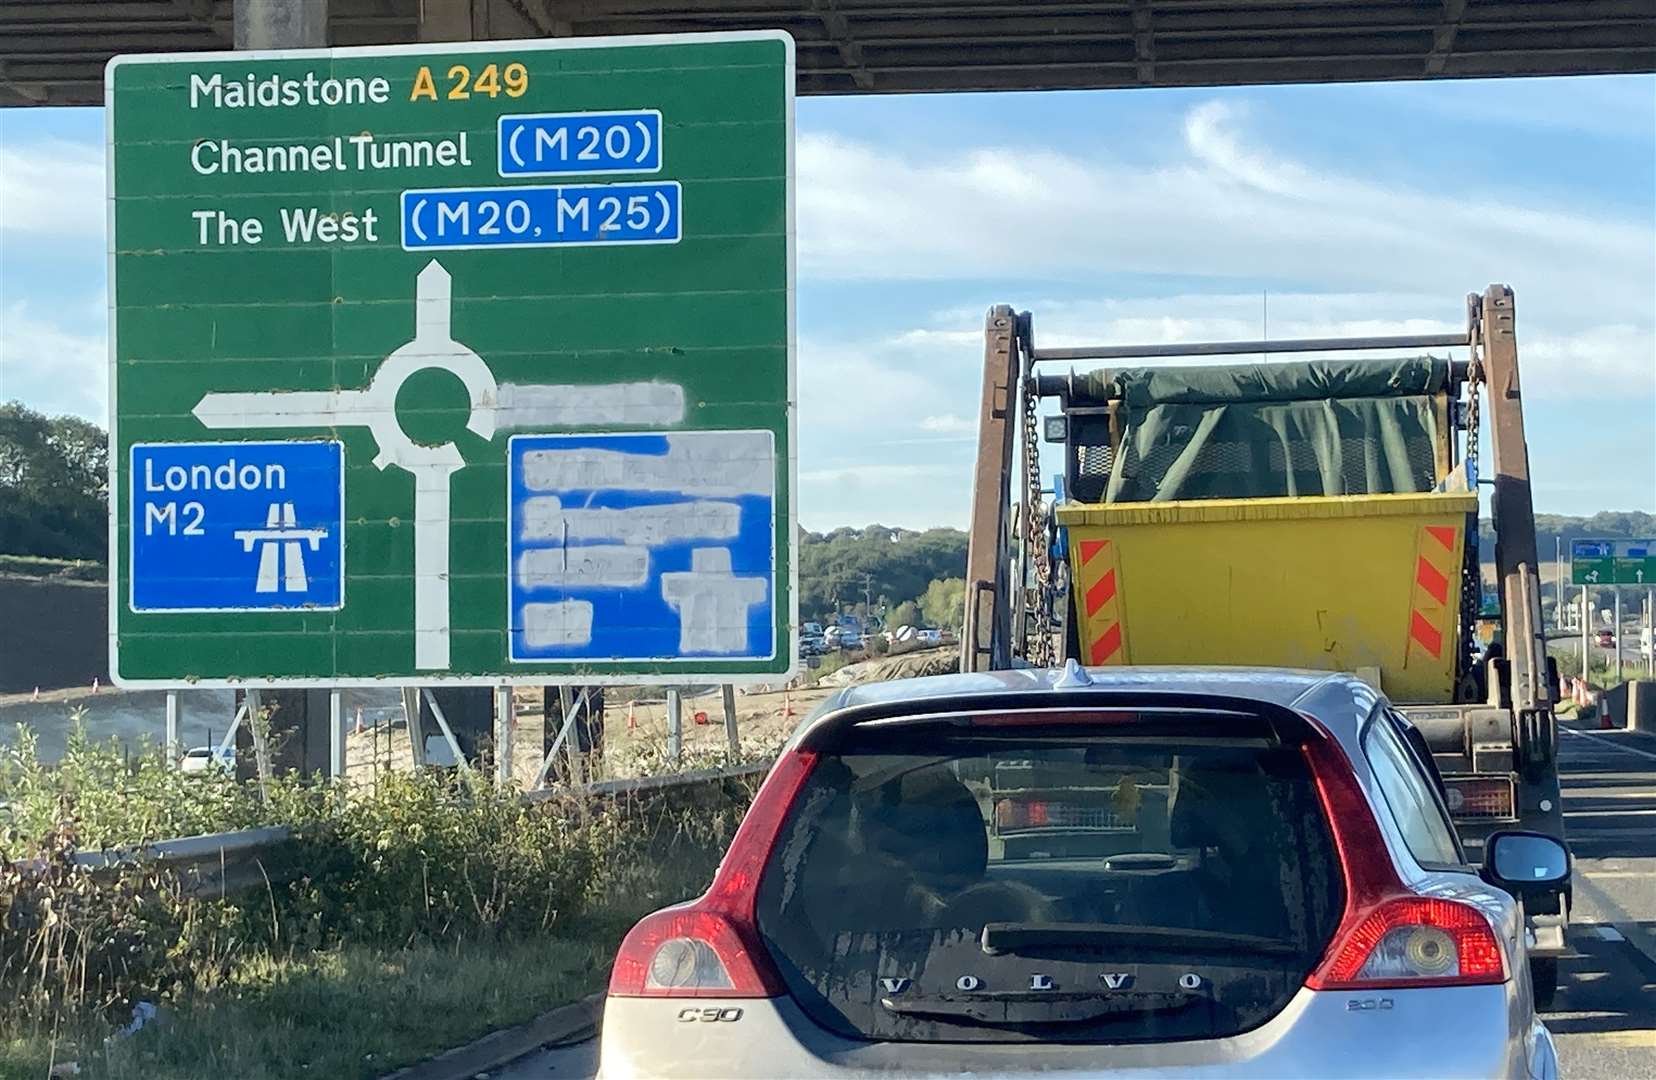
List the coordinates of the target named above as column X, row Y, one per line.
column 1007, row 937
column 1045, row 1007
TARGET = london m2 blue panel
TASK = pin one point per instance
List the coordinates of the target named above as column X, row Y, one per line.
column 642, row 546
column 237, row 526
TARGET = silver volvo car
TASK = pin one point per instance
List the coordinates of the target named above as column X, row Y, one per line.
column 1124, row 873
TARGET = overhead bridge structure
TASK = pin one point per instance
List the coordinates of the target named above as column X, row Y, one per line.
column 52, row 52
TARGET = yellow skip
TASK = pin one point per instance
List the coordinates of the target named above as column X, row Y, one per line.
column 1333, row 583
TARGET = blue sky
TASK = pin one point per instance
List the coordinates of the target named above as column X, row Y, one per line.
column 1140, row 215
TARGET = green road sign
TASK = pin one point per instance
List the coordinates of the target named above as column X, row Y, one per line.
column 459, row 363
column 1613, row 562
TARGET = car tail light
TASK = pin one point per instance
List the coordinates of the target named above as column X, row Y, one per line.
column 1390, row 937
column 710, row 947
column 1479, row 798
column 1416, row 941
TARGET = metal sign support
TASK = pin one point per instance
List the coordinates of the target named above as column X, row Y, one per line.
column 172, row 729
column 505, row 732
column 675, row 727
column 732, row 739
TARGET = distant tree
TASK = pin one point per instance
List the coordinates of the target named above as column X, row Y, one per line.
column 944, row 603
column 53, row 483
column 841, row 568
column 905, row 614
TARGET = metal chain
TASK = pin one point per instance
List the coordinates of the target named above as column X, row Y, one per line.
column 1471, row 574
column 1039, row 650
column 1474, row 375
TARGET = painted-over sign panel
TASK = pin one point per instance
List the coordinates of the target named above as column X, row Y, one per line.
column 457, row 283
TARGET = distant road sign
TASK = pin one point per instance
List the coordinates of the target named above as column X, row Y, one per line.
column 453, row 363
column 1613, row 562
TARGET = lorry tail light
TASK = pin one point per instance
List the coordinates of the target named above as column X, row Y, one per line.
column 1479, row 798
column 710, row 947
column 1414, row 941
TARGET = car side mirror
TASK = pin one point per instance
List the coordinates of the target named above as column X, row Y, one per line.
column 1525, row 862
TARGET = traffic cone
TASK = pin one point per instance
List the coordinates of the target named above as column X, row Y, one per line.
column 36, row 695
column 632, row 716
column 94, row 684
column 359, row 720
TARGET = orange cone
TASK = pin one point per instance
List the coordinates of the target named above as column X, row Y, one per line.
column 632, row 716
column 359, row 720
column 94, row 684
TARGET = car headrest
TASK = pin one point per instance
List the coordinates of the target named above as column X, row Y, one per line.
column 929, row 821
column 1217, row 804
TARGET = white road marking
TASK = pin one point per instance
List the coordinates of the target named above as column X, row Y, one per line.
column 1609, row 742
column 1609, row 813
column 1609, row 933
column 1594, row 793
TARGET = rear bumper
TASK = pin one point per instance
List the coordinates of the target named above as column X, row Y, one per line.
column 1451, row 1033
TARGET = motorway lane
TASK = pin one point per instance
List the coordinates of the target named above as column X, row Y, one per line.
column 1604, row 1019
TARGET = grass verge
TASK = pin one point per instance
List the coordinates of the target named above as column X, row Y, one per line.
column 349, row 1011
column 41, row 567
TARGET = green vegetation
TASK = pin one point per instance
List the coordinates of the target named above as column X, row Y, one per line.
column 1551, row 528
column 399, row 921
column 38, row 567
column 944, row 603
column 53, row 480
column 348, row 1011
column 864, row 570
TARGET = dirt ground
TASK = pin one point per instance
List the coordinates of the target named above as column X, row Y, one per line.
column 635, row 734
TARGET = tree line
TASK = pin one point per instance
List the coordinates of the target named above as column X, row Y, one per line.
column 54, row 475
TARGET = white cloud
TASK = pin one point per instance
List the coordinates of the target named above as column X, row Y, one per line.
column 51, row 368
column 1225, row 207
column 53, row 187
column 948, row 424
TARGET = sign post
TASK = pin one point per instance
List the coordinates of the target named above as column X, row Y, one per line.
column 453, row 364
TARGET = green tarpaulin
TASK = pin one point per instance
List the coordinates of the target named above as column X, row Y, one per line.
column 1251, row 431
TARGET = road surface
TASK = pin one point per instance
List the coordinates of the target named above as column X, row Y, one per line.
column 1605, row 1016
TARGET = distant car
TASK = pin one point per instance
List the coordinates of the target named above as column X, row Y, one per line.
column 842, row 637
column 1236, row 873
column 199, row 759
column 1606, row 639
column 927, row 636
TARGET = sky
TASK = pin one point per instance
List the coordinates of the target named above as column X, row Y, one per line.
column 1128, row 216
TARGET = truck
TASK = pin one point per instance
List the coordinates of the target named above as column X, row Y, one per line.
column 1314, row 513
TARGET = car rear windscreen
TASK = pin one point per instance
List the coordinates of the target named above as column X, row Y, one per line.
column 1086, row 883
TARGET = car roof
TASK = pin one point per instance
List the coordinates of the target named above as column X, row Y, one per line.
column 1339, row 701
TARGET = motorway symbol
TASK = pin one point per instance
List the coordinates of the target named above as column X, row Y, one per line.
column 281, row 541
column 412, row 278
